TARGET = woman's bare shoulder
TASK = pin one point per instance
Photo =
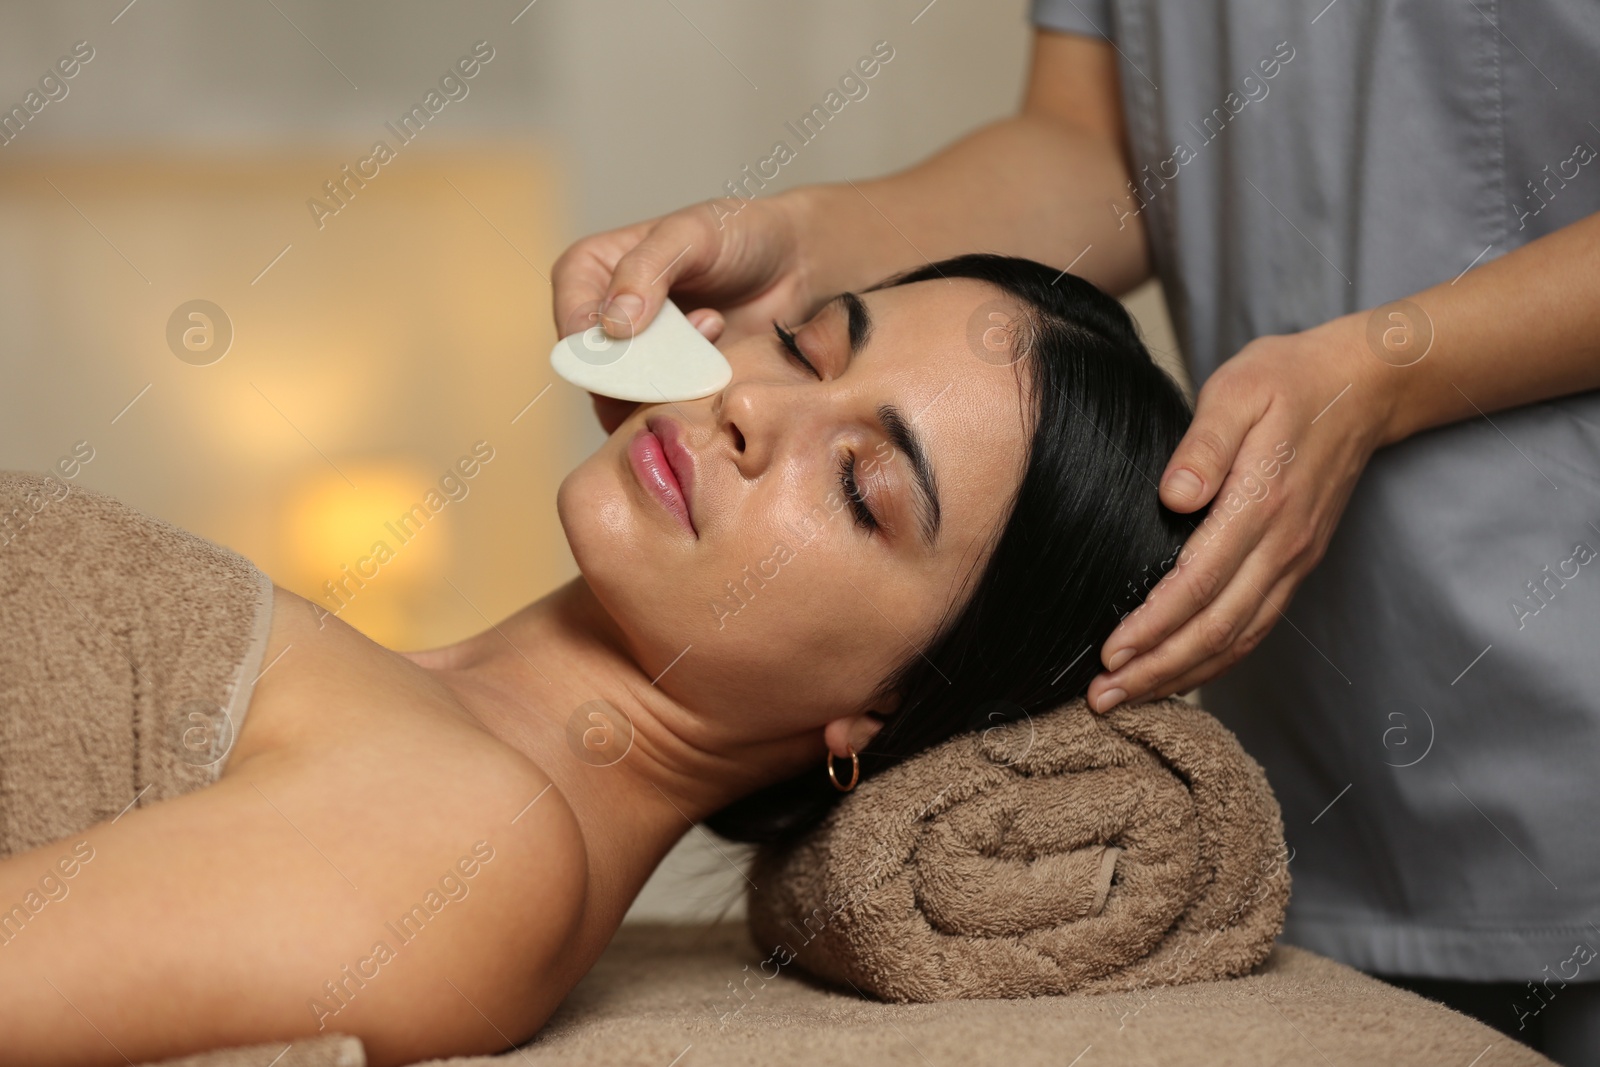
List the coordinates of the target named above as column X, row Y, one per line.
column 361, row 892
column 426, row 795
column 474, row 869
column 368, row 863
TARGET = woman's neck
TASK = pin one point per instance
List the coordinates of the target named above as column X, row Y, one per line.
column 638, row 776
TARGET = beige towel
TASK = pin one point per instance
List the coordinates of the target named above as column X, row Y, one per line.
column 1066, row 852
column 693, row 997
column 328, row 1050
column 128, row 648
column 696, row 997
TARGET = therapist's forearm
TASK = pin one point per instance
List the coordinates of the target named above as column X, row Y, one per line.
column 1519, row 329
column 1026, row 186
column 1045, row 184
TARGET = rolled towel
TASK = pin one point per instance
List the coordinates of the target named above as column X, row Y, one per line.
column 1069, row 851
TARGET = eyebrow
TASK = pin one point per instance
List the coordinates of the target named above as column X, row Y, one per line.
column 896, row 427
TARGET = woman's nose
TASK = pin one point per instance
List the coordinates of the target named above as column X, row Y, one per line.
column 759, row 415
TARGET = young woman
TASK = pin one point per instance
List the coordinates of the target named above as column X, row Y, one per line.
column 932, row 495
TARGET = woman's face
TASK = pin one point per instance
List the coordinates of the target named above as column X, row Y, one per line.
column 778, row 596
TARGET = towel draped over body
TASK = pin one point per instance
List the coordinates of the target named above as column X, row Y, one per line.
column 128, row 650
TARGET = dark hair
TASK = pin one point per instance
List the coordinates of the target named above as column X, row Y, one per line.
column 1086, row 538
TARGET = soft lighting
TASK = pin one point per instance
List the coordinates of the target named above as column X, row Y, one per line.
column 360, row 551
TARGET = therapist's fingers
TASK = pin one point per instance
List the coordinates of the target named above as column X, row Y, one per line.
column 708, row 321
column 747, row 264
column 683, row 243
column 1224, row 413
column 1234, row 526
column 1268, row 614
column 640, row 262
column 581, row 275
column 1225, row 631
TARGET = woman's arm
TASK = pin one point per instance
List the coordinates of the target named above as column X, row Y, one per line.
column 340, row 892
column 1521, row 328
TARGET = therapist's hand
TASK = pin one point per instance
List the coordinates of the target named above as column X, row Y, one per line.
column 745, row 266
column 1276, row 446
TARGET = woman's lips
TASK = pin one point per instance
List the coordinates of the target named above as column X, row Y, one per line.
column 677, row 454
column 649, row 461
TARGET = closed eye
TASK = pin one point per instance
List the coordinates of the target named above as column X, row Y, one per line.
column 786, row 339
column 863, row 513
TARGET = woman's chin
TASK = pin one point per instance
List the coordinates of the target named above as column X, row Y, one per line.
column 603, row 528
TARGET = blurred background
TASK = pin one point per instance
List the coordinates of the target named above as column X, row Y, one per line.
column 278, row 339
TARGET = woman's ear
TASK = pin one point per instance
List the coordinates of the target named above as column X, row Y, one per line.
column 851, row 734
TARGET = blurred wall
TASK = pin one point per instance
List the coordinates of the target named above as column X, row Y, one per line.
column 375, row 345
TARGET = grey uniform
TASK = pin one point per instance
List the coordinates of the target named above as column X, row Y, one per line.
column 1429, row 712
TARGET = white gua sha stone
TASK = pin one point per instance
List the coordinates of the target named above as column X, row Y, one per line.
column 667, row 360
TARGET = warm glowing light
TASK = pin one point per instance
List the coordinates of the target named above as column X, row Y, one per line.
column 367, row 553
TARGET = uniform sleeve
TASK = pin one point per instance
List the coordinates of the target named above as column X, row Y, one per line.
column 1092, row 18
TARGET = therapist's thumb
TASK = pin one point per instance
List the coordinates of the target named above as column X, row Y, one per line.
column 639, row 284
column 1204, row 456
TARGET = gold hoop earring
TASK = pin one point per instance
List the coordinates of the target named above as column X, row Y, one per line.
column 855, row 772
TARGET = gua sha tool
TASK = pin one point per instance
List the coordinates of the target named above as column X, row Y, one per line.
column 667, row 360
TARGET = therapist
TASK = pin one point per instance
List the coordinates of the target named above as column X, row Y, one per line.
column 1376, row 228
